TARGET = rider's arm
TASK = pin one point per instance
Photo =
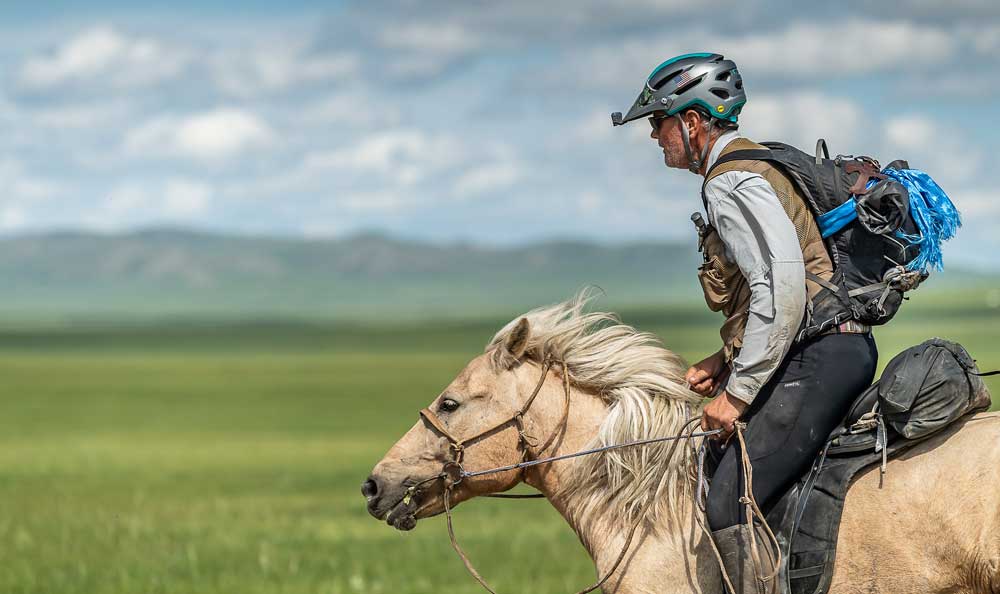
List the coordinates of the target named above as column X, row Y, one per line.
column 762, row 241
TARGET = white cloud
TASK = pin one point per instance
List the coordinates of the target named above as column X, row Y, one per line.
column 126, row 198
column 446, row 39
column 12, row 218
column 82, row 116
column 23, row 187
column 322, row 228
column 801, row 51
column 594, row 128
column 184, row 198
column 977, row 204
column 105, row 55
column 279, row 66
column 207, row 136
column 379, row 200
column 804, row 49
column 407, row 154
column 589, row 202
column 801, row 117
column 143, row 202
column 352, row 109
column 487, row 178
column 985, row 37
column 911, row 132
column 934, row 147
column 424, row 49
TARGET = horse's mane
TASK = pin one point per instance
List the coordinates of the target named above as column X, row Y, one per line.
column 642, row 382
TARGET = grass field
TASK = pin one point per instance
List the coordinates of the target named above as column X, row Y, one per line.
column 228, row 458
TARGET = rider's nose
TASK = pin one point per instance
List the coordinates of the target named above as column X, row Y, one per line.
column 370, row 488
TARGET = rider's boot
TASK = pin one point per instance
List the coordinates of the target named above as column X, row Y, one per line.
column 737, row 559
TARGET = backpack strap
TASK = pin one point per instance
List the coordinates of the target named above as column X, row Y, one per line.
column 742, row 155
column 737, row 155
column 822, row 282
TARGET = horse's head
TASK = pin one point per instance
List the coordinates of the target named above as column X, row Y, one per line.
column 625, row 387
column 476, row 410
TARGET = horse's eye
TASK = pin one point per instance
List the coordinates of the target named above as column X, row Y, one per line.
column 447, row 405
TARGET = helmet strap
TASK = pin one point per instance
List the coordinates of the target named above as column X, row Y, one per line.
column 708, row 142
column 694, row 163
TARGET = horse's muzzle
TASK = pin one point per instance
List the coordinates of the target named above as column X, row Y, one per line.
column 390, row 503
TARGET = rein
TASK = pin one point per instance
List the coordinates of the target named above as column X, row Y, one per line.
column 453, row 473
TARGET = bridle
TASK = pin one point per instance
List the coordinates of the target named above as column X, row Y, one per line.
column 453, row 470
column 453, row 473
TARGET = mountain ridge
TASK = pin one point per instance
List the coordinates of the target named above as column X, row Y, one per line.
column 179, row 271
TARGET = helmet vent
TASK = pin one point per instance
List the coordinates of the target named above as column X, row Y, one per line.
column 725, row 76
column 690, row 85
column 721, row 93
column 667, row 79
column 739, row 84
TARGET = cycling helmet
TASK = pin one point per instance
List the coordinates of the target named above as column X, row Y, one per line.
column 704, row 80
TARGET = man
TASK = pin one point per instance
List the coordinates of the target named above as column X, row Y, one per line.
column 764, row 262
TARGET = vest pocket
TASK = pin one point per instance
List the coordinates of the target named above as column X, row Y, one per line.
column 711, row 276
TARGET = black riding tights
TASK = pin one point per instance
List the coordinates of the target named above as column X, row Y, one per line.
column 790, row 419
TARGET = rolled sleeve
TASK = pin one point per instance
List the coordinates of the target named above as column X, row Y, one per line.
column 762, row 241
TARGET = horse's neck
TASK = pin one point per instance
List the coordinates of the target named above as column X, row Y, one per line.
column 673, row 557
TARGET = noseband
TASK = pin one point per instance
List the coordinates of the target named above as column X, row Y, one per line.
column 452, row 473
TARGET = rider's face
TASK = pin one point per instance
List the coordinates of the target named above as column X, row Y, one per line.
column 668, row 136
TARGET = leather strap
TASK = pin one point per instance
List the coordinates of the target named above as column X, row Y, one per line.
column 866, row 170
column 435, row 422
column 848, row 327
column 459, row 444
column 866, row 289
column 822, row 282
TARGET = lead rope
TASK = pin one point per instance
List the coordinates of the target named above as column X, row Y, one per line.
column 752, row 511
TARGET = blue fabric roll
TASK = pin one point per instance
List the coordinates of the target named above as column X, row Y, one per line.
column 933, row 212
column 834, row 220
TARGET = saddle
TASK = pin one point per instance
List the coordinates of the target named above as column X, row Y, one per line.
column 923, row 390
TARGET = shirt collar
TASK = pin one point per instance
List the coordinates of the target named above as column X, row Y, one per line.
column 720, row 144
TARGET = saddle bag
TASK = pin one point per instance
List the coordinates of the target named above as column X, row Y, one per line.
column 928, row 386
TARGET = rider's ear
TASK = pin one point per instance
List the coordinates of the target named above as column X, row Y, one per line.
column 517, row 340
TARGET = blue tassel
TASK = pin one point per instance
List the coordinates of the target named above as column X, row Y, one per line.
column 934, row 213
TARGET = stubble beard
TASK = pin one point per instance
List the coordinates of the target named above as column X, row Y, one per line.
column 674, row 159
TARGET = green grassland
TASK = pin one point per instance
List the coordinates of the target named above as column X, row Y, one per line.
column 184, row 457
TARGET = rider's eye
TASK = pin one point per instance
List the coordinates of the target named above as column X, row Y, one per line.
column 447, row 405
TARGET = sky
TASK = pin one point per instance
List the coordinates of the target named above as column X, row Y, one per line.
column 472, row 121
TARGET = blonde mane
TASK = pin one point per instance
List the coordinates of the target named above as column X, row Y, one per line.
column 643, row 384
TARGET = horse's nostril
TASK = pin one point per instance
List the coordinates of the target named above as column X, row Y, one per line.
column 370, row 488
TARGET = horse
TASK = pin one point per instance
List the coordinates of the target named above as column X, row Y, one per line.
column 933, row 526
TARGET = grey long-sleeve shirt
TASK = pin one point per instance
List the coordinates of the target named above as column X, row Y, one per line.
column 761, row 239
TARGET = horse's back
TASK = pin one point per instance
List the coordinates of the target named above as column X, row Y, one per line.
column 933, row 524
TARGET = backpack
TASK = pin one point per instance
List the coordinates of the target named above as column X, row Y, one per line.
column 882, row 239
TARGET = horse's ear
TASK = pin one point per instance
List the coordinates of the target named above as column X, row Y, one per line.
column 517, row 341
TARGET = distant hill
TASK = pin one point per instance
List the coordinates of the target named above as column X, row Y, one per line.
column 164, row 272
column 175, row 272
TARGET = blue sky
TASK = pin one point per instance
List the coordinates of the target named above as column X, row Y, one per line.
column 462, row 120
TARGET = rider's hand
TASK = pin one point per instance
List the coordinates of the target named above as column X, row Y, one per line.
column 703, row 376
column 721, row 413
